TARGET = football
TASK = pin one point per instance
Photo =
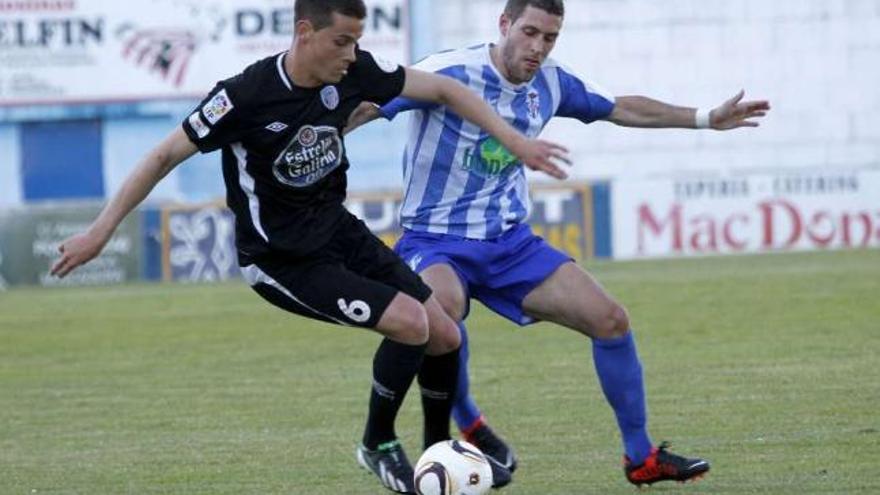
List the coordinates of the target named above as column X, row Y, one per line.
column 453, row 467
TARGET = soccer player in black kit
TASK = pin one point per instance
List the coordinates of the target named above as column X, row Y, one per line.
column 279, row 125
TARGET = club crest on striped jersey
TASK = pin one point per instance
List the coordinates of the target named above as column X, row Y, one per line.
column 311, row 155
column 534, row 103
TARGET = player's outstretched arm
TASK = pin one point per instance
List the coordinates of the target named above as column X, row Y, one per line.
column 640, row 111
column 84, row 247
column 535, row 154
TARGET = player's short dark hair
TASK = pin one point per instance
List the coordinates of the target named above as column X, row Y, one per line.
column 320, row 12
column 515, row 8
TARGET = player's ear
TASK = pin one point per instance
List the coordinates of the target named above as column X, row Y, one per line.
column 504, row 24
column 304, row 30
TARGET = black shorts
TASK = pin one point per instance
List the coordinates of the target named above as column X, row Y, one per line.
column 350, row 281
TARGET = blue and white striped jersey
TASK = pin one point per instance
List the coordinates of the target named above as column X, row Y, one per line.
column 459, row 180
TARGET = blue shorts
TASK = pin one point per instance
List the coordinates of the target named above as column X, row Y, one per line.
column 498, row 272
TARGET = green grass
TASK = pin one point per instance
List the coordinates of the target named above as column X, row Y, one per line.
column 768, row 366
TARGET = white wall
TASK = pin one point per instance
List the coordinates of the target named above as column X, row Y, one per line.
column 818, row 61
column 10, row 170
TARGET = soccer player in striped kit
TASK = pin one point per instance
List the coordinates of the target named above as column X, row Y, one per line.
column 466, row 203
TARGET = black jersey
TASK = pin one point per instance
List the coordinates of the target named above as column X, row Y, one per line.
column 284, row 159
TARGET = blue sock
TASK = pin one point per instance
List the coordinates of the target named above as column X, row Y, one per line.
column 464, row 409
column 620, row 373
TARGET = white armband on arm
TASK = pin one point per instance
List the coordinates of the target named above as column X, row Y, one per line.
column 703, row 118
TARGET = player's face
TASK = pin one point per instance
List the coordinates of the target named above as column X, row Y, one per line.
column 526, row 43
column 332, row 49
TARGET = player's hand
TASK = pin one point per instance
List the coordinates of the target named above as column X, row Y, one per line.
column 365, row 112
column 76, row 251
column 735, row 113
column 543, row 156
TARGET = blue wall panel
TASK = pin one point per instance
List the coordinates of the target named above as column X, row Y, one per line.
column 602, row 220
column 62, row 160
column 151, row 269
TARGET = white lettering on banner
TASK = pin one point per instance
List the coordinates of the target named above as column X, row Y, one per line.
column 173, row 49
column 108, row 268
column 757, row 214
column 381, row 214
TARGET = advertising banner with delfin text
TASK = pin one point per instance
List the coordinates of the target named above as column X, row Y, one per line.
column 99, row 51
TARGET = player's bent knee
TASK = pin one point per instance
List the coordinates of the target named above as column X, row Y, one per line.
column 414, row 325
column 614, row 323
column 405, row 321
column 445, row 338
column 412, row 329
column 621, row 320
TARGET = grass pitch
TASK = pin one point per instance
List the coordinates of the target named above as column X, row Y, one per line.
column 767, row 366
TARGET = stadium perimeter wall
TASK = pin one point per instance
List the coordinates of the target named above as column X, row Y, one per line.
column 195, row 243
column 642, row 219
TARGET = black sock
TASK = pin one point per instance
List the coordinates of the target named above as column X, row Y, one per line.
column 394, row 367
column 438, row 379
